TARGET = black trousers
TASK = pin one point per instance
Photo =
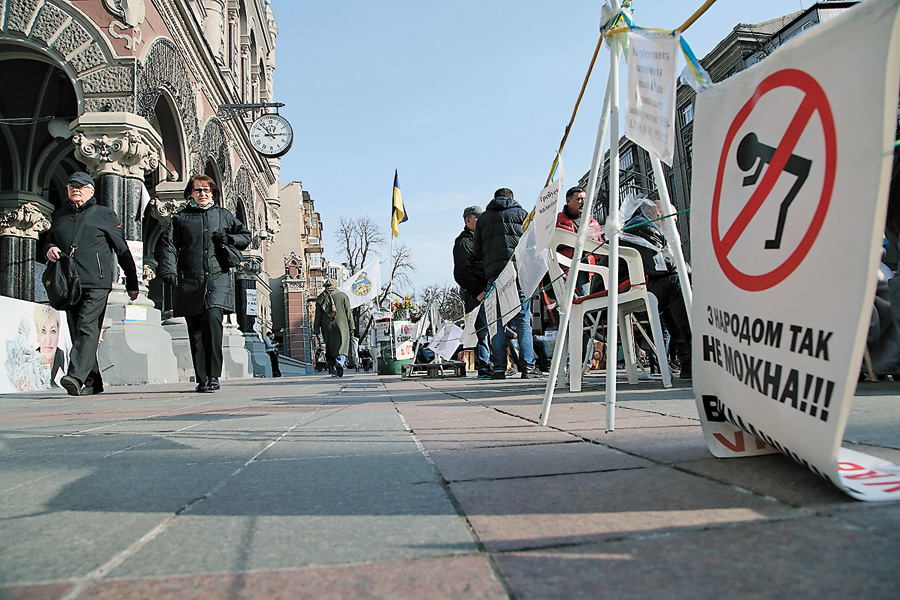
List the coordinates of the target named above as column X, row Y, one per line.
column 205, row 334
column 85, row 320
column 674, row 313
column 273, row 357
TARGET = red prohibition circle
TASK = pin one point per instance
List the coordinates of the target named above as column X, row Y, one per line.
column 815, row 101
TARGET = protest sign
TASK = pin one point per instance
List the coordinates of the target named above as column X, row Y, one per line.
column 508, row 293
column 531, row 265
column 788, row 205
column 650, row 98
column 545, row 212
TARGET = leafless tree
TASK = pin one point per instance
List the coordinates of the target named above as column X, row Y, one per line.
column 358, row 237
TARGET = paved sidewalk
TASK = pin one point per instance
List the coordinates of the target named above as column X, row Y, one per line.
column 377, row 487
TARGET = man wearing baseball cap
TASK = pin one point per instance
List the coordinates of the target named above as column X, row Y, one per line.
column 101, row 244
column 469, row 274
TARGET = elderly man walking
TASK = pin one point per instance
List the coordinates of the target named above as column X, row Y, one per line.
column 333, row 323
column 101, row 244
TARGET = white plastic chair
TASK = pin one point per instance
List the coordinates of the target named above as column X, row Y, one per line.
column 633, row 298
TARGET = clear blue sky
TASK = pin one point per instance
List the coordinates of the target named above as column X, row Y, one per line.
column 460, row 97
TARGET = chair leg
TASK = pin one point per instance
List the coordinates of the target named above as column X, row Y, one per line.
column 659, row 341
column 575, row 357
column 627, row 337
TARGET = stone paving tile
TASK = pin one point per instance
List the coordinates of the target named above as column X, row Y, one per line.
column 797, row 559
column 538, row 512
column 530, row 461
column 666, row 444
column 773, row 475
column 490, row 437
column 468, row 577
column 52, row 591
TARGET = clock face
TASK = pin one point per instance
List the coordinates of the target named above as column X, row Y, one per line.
column 271, row 135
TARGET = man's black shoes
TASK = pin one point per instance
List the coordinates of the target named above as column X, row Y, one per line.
column 213, row 384
column 202, row 386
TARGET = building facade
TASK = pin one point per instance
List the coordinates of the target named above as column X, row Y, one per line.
column 141, row 95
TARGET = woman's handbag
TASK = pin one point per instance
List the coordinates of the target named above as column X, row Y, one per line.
column 229, row 256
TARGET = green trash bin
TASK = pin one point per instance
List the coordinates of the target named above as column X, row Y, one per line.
column 389, row 346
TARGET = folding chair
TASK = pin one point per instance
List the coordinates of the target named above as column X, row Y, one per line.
column 633, row 298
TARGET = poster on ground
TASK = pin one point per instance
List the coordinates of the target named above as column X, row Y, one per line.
column 34, row 346
column 788, row 206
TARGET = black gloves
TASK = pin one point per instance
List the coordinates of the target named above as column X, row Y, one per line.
column 170, row 279
column 220, row 238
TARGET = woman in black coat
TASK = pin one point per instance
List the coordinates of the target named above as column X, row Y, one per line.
column 189, row 260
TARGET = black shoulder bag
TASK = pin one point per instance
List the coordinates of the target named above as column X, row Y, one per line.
column 61, row 278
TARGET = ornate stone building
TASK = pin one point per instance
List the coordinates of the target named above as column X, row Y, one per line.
column 137, row 93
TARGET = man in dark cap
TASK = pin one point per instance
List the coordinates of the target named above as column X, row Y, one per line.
column 101, row 245
column 469, row 274
column 496, row 237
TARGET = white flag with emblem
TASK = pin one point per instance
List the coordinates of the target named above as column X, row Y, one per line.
column 363, row 285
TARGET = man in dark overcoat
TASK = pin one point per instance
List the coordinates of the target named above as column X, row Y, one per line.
column 102, row 244
column 333, row 322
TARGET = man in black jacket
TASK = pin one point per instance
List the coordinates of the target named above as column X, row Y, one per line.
column 497, row 234
column 469, row 274
column 102, row 243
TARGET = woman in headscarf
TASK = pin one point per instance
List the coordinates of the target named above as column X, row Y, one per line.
column 333, row 323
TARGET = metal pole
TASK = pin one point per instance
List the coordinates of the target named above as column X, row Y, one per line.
column 612, row 234
column 565, row 304
column 674, row 239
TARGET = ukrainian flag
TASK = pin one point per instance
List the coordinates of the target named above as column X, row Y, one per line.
column 398, row 213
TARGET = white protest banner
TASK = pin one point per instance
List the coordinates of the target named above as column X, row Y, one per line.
column 446, row 341
column 363, row 285
column 650, row 98
column 508, row 293
column 545, row 211
column 531, row 265
column 490, row 312
column 252, row 306
column 790, row 188
column 470, row 337
column 34, row 346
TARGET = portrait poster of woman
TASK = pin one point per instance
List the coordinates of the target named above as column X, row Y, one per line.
column 34, row 346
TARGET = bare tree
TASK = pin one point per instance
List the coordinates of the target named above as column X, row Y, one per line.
column 361, row 237
column 358, row 237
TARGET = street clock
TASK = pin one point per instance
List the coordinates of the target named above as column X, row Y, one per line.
column 271, row 135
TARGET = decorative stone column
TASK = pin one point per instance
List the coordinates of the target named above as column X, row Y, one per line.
column 245, row 279
column 19, row 229
column 118, row 149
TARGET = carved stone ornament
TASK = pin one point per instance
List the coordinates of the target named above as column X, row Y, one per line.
column 250, row 268
column 25, row 221
column 163, row 210
column 116, row 144
column 148, row 274
column 294, row 285
column 132, row 12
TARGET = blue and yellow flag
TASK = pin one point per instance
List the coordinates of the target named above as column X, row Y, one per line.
column 398, row 213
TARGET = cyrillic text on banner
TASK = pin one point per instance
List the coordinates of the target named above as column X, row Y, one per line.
column 789, row 189
column 650, row 99
column 545, row 211
column 508, row 293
